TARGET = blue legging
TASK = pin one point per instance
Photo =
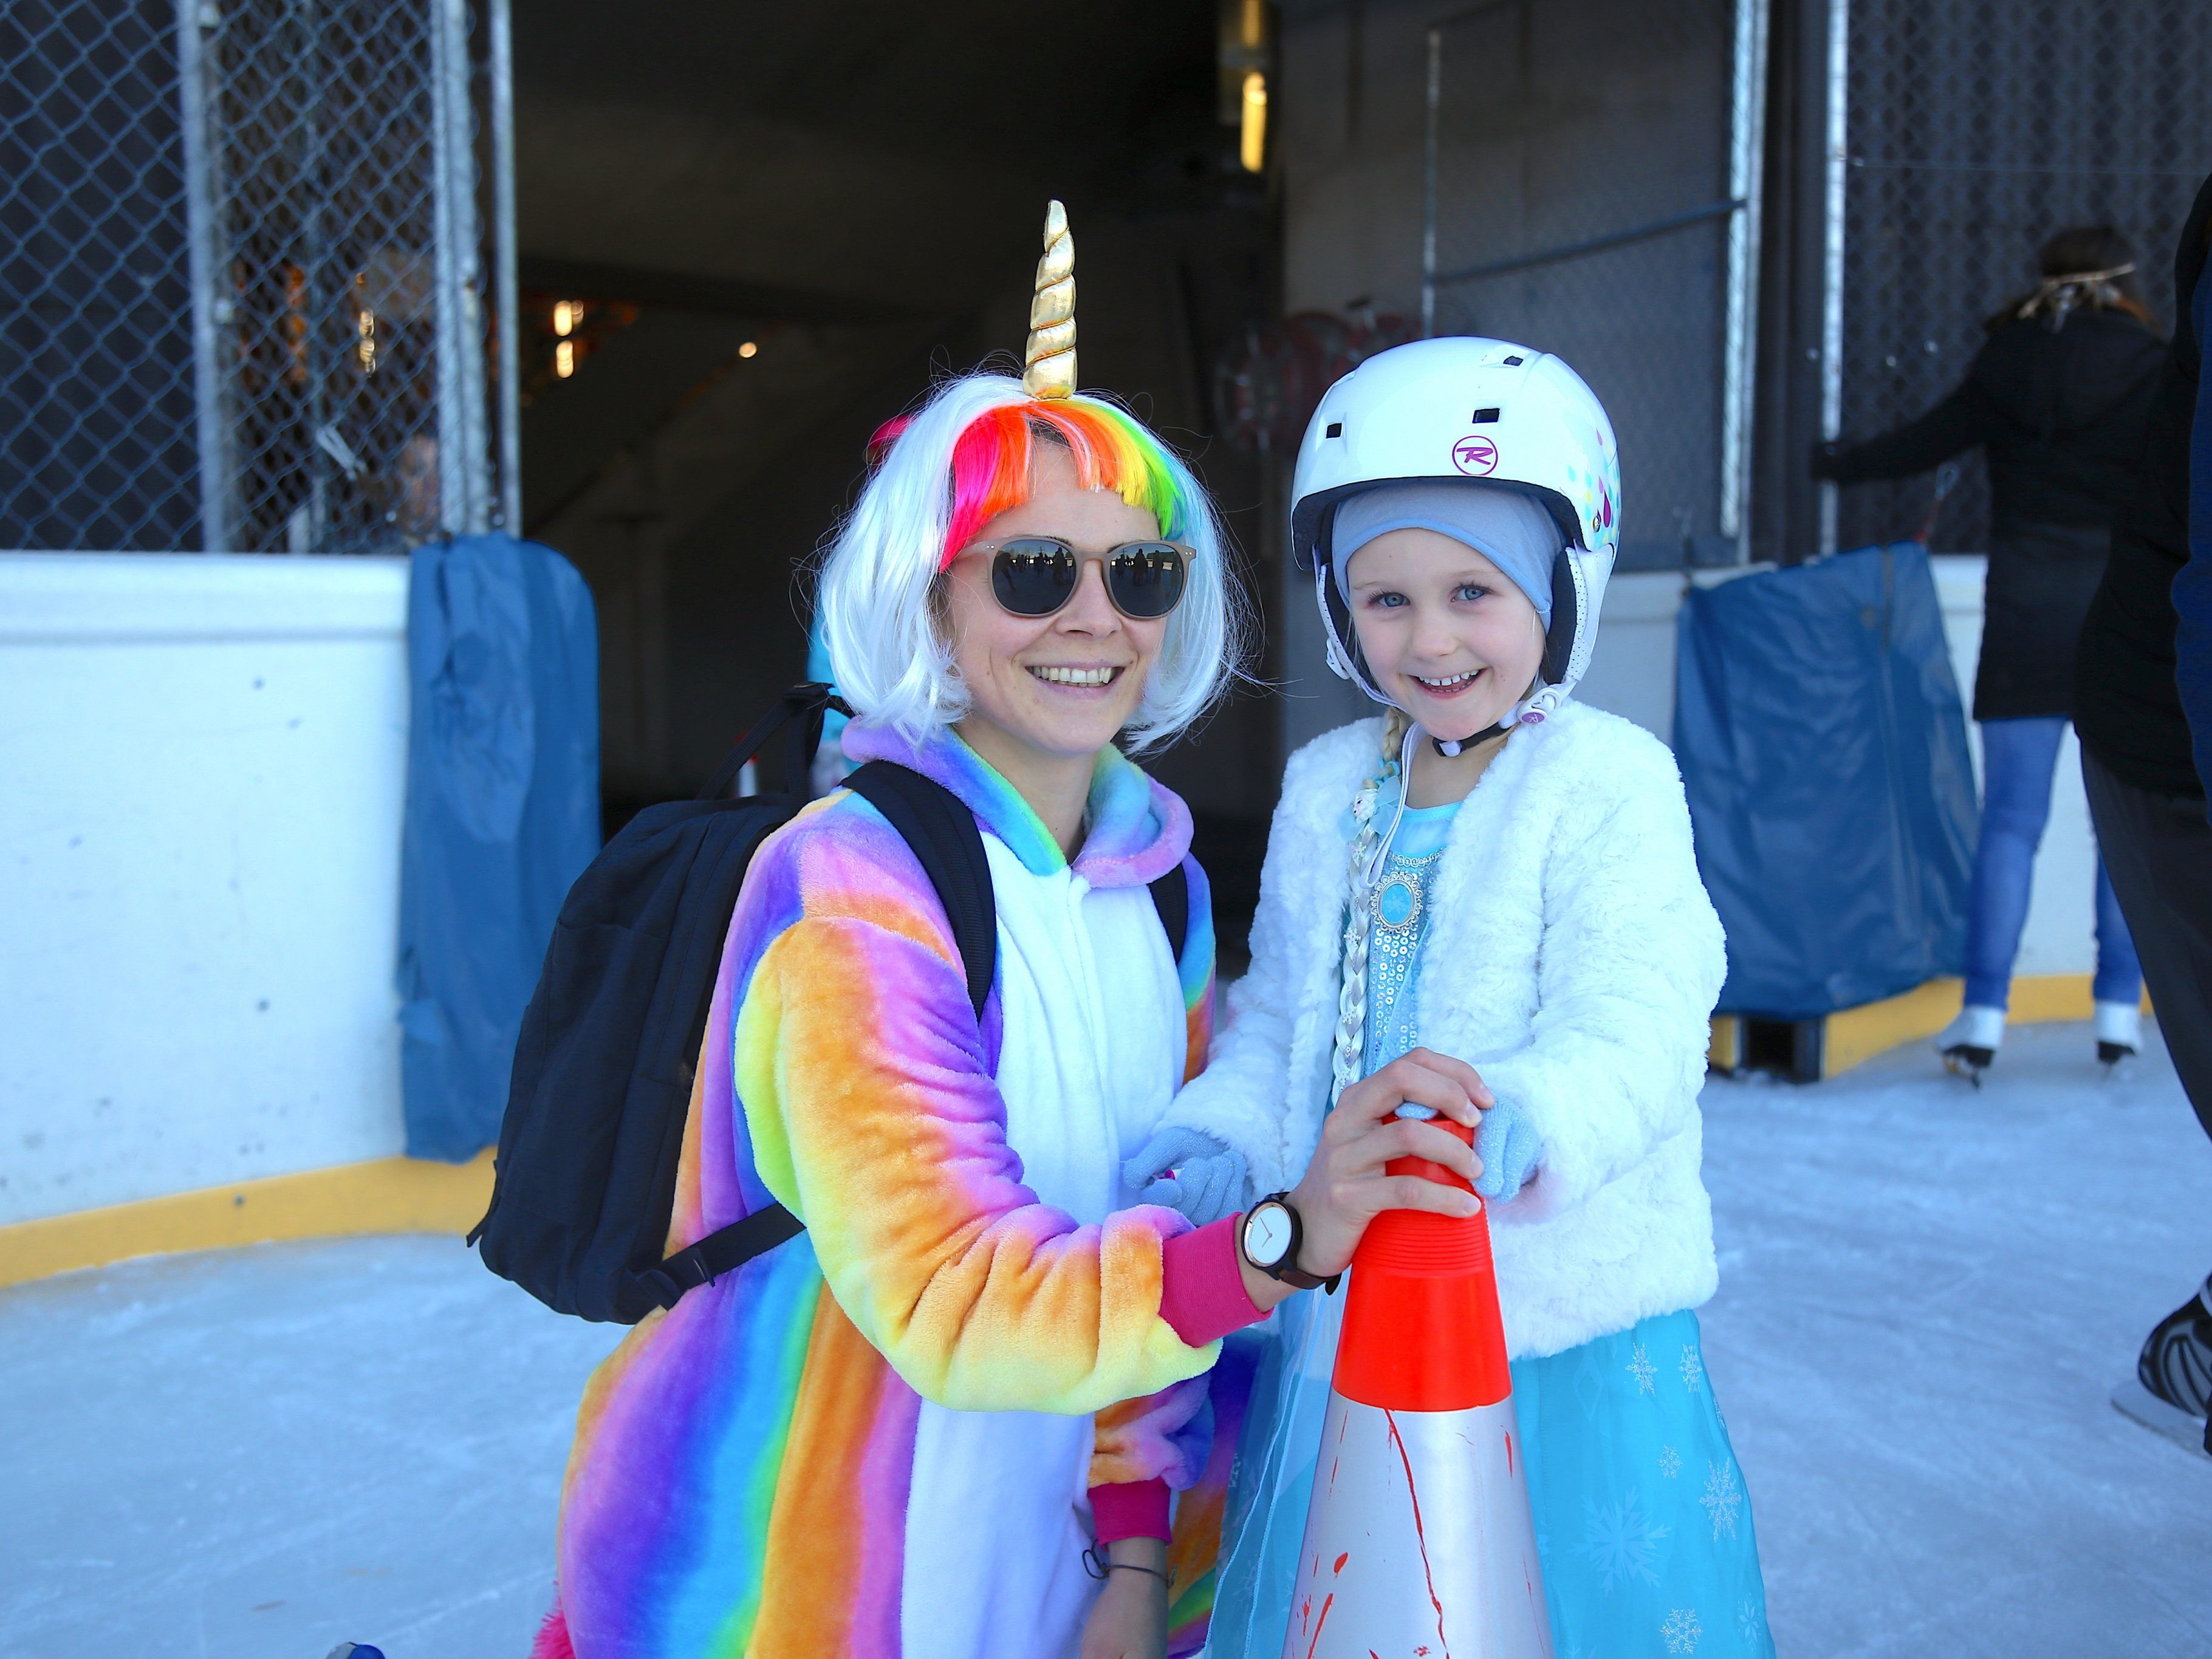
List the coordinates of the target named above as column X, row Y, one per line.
column 2018, row 760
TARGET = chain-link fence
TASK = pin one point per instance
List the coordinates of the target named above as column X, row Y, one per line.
column 96, row 440
column 1975, row 132
column 246, row 274
column 1591, row 177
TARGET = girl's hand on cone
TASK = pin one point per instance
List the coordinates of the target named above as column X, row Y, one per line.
column 1346, row 1187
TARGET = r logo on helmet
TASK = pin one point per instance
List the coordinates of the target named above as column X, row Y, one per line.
column 1475, row 456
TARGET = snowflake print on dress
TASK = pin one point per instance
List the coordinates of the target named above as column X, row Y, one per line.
column 1621, row 1541
column 1670, row 1462
column 1723, row 1499
column 1641, row 1368
column 1681, row 1631
column 1751, row 1621
column 1693, row 1371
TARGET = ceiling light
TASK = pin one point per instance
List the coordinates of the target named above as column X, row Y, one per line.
column 564, row 359
column 1252, row 146
column 748, row 349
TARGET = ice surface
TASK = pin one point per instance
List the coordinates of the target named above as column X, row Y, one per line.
column 256, row 1454
column 1927, row 1295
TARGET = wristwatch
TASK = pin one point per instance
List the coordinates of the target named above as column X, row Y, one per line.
column 1270, row 1238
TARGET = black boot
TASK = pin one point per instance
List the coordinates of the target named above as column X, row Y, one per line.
column 2174, row 1376
column 2176, row 1363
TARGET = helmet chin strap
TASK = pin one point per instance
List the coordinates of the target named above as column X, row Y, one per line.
column 1450, row 747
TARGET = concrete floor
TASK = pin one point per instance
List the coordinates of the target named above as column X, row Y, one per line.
column 1927, row 1295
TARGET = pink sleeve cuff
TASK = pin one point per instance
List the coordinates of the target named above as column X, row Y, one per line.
column 1131, row 1508
column 1203, row 1287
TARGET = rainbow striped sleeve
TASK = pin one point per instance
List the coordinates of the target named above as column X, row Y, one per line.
column 874, row 1115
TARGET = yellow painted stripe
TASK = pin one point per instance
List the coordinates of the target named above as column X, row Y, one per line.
column 384, row 1196
column 1724, row 1049
column 1857, row 1034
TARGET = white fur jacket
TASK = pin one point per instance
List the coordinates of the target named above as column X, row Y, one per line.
column 1573, row 959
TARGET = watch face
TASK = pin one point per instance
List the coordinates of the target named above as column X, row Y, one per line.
column 1268, row 1235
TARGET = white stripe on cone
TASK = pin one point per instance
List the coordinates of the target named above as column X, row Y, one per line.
column 1419, row 1544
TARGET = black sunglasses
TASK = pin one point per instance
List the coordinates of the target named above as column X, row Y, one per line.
column 1036, row 575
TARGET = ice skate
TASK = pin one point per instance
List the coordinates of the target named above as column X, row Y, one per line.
column 2118, row 1026
column 1969, row 1044
column 2173, row 1383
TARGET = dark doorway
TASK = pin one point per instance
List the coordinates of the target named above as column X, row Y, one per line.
column 750, row 235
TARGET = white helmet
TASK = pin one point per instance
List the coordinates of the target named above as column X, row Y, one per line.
column 1467, row 408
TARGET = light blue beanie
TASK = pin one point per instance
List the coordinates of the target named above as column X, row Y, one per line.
column 1506, row 526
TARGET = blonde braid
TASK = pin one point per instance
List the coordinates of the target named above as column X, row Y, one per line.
column 1352, row 997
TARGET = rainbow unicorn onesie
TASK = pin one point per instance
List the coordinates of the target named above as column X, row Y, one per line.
column 881, row 1439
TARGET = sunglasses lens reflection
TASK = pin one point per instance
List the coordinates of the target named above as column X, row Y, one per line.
column 1146, row 581
column 1034, row 578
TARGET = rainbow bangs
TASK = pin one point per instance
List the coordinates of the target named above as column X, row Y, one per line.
column 991, row 464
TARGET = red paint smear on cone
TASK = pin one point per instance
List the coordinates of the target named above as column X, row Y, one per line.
column 1326, row 1602
column 1342, row 1559
column 1421, row 1535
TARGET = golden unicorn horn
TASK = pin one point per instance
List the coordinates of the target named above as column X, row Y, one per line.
column 1051, row 356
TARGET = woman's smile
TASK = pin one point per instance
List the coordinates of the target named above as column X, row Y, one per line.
column 1078, row 677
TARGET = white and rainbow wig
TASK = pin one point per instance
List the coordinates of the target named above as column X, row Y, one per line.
column 944, row 473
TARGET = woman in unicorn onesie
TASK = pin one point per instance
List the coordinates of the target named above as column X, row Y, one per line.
column 1497, row 872
column 947, row 1419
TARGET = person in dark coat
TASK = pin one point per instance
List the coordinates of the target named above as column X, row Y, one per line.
column 2057, row 399
column 2146, row 795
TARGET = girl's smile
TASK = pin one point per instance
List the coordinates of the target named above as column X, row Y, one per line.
column 1453, row 686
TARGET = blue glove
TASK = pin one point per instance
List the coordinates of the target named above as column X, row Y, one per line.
column 1507, row 1145
column 1208, row 1181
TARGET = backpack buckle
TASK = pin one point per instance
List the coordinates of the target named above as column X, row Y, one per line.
column 687, row 1270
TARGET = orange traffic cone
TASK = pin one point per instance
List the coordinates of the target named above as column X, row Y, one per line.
column 1419, row 1544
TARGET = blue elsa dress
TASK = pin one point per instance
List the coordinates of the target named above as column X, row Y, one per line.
column 1642, row 1519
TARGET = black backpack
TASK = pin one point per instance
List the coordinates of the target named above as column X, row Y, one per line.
column 603, row 1070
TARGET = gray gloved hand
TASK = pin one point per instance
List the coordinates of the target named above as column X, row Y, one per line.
column 1509, row 1147
column 1189, row 1171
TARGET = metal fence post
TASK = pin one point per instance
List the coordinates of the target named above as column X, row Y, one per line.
column 212, row 419
column 508, row 309
column 1831, row 268
column 464, row 507
column 1429, row 141
column 1747, row 150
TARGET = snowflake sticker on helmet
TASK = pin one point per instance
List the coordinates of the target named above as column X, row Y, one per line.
column 1475, row 456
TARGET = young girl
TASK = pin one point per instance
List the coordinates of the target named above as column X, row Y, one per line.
column 1494, row 874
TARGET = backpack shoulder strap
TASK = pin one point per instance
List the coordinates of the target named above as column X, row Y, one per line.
column 942, row 832
column 937, row 825
column 1171, row 898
